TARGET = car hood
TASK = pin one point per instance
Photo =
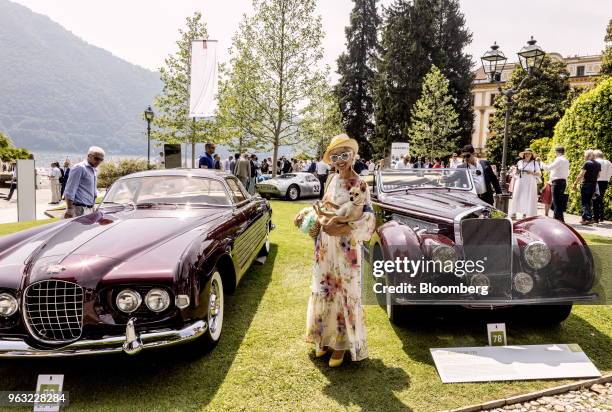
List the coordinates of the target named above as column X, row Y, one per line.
column 88, row 247
column 438, row 203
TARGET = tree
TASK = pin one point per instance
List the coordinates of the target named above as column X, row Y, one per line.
column 606, row 66
column 320, row 121
column 357, row 74
column 172, row 122
column 536, row 109
column 587, row 124
column 276, row 71
column 434, row 120
column 8, row 151
column 415, row 35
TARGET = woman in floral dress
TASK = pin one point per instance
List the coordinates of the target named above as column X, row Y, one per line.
column 335, row 318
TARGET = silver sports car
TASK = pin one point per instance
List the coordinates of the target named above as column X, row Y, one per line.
column 290, row 185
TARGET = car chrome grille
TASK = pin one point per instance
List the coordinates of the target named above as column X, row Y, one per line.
column 54, row 310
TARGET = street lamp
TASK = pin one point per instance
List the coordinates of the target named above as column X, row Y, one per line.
column 493, row 62
column 149, row 115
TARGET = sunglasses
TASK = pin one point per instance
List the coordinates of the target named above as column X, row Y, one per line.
column 466, row 155
column 342, row 156
column 98, row 159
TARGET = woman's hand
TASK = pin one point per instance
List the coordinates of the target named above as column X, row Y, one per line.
column 337, row 229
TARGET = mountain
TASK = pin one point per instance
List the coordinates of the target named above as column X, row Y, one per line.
column 58, row 92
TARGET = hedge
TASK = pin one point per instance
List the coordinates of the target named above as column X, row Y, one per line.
column 587, row 124
column 111, row 171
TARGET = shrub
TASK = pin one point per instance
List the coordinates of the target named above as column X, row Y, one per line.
column 587, row 124
column 111, row 171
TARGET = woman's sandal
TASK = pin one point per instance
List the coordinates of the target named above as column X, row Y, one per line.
column 322, row 352
column 335, row 362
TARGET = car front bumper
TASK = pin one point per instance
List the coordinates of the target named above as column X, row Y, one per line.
column 130, row 343
column 269, row 190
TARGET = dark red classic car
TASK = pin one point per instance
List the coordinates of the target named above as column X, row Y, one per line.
column 148, row 268
column 434, row 216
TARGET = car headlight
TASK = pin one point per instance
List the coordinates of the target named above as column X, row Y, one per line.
column 8, row 304
column 537, row 254
column 157, row 300
column 443, row 253
column 523, row 282
column 128, row 300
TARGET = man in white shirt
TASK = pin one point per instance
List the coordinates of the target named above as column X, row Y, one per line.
column 322, row 170
column 559, row 172
column 602, row 184
column 54, row 180
column 454, row 161
column 403, row 163
column 160, row 161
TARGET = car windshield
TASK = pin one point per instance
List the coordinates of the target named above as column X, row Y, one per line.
column 286, row 176
column 397, row 180
column 167, row 190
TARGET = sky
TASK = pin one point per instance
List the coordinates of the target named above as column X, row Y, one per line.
column 144, row 32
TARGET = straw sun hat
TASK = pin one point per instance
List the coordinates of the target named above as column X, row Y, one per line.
column 342, row 140
column 528, row 150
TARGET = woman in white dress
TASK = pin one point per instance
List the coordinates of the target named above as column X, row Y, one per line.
column 525, row 193
column 335, row 318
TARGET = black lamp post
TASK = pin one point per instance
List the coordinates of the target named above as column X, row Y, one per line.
column 149, row 115
column 493, row 62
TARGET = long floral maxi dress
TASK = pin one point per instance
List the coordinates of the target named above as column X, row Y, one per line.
column 335, row 315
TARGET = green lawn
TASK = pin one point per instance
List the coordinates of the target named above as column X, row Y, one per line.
column 262, row 362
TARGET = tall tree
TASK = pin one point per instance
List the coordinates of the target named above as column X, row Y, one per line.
column 606, row 67
column 536, row 109
column 415, row 35
column 277, row 70
column 172, row 124
column 357, row 73
column 434, row 119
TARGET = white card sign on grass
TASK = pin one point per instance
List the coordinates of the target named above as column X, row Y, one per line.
column 48, row 385
column 515, row 362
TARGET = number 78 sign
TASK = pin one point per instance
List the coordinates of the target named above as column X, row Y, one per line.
column 497, row 334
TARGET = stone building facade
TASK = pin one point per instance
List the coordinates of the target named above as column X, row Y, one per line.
column 583, row 71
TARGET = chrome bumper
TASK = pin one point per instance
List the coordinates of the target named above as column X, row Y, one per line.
column 131, row 343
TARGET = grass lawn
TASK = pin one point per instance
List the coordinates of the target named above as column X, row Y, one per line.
column 262, row 362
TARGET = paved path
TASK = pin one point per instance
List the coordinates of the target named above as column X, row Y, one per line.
column 8, row 209
column 597, row 398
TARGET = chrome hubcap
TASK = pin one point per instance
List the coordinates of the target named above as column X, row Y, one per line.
column 214, row 308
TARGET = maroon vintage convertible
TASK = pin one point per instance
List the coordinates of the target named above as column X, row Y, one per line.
column 434, row 215
column 148, row 269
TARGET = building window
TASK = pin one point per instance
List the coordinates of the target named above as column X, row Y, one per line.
column 492, row 99
column 580, row 71
column 498, row 77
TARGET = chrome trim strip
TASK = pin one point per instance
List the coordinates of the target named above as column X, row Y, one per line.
column 457, row 223
column 411, row 212
column 16, row 348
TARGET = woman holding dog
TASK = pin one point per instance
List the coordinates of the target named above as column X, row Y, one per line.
column 335, row 317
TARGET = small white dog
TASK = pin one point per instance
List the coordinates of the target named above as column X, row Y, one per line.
column 350, row 211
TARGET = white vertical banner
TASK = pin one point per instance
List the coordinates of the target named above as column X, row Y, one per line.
column 203, row 86
column 26, row 190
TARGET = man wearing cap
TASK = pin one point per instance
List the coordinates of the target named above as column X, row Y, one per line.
column 81, row 187
column 485, row 180
column 588, row 185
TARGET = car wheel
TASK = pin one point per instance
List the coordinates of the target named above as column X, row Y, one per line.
column 548, row 315
column 214, row 317
column 293, row 193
